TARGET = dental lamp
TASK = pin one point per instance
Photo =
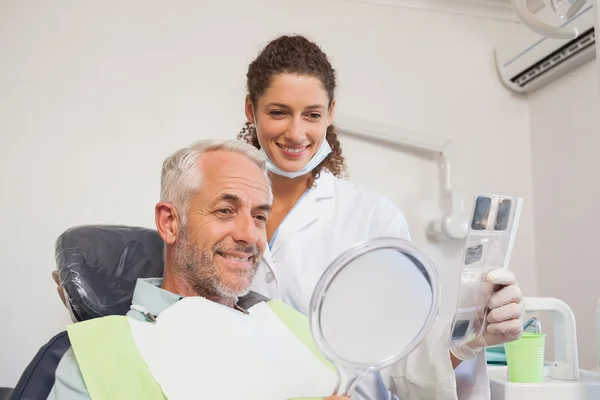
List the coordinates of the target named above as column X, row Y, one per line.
column 566, row 10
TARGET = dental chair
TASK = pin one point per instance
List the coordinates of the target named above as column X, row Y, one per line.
column 5, row 393
column 98, row 267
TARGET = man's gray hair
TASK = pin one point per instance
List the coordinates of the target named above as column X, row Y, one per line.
column 181, row 176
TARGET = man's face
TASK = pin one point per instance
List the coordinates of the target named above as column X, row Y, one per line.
column 219, row 249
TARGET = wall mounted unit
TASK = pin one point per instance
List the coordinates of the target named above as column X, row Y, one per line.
column 527, row 61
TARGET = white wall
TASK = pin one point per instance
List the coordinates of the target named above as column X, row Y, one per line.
column 93, row 95
column 565, row 139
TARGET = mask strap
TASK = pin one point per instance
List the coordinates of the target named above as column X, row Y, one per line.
column 255, row 123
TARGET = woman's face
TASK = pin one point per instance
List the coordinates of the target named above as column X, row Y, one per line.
column 292, row 117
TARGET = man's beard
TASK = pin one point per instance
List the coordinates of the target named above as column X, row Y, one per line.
column 201, row 273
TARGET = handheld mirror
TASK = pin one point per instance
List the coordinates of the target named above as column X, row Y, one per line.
column 372, row 306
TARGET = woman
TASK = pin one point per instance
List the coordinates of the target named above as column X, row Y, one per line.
column 290, row 107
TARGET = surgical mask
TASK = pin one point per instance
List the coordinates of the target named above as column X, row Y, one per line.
column 316, row 159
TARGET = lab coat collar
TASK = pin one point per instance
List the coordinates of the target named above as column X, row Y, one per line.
column 268, row 257
column 325, row 185
column 305, row 212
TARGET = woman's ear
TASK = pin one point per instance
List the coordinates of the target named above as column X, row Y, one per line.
column 331, row 115
column 249, row 109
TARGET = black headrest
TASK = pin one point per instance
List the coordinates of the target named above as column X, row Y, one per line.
column 98, row 266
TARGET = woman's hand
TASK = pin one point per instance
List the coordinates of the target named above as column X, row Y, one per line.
column 506, row 309
column 505, row 317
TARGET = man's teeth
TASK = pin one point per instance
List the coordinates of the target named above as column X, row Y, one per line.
column 294, row 149
column 236, row 258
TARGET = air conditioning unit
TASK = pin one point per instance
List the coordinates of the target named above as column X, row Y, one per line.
column 528, row 61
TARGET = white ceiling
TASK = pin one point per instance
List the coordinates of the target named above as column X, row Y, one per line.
column 493, row 9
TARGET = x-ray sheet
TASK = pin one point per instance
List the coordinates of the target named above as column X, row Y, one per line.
column 198, row 349
column 492, row 230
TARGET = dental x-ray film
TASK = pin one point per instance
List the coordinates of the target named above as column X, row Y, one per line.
column 492, row 230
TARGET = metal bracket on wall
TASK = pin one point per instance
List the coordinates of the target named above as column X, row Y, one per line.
column 453, row 226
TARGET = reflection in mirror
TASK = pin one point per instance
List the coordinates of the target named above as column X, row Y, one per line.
column 360, row 318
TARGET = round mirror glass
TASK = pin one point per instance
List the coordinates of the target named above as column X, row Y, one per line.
column 372, row 306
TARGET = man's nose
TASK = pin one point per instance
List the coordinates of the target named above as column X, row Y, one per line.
column 246, row 230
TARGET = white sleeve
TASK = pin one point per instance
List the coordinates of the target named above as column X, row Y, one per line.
column 388, row 220
column 472, row 380
column 427, row 372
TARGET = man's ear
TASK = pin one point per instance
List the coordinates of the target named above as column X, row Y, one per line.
column 249, row 110
column 59, row 288
column 167, row 222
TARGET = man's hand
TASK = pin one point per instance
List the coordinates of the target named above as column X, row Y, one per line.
column 505, row 317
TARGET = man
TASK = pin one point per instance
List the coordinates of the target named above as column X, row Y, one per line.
column 215, row 201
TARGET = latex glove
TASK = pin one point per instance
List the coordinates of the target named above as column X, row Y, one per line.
column 505, row 317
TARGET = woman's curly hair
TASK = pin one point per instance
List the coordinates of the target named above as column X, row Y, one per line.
column 294, row 55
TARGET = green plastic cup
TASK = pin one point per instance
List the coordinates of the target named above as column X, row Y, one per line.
column 525, row 358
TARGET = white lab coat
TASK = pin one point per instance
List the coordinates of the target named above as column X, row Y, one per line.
column 331, row 217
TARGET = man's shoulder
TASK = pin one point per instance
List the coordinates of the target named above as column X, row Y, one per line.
column 68, row 362
column 94, row 334
column 69, row 383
